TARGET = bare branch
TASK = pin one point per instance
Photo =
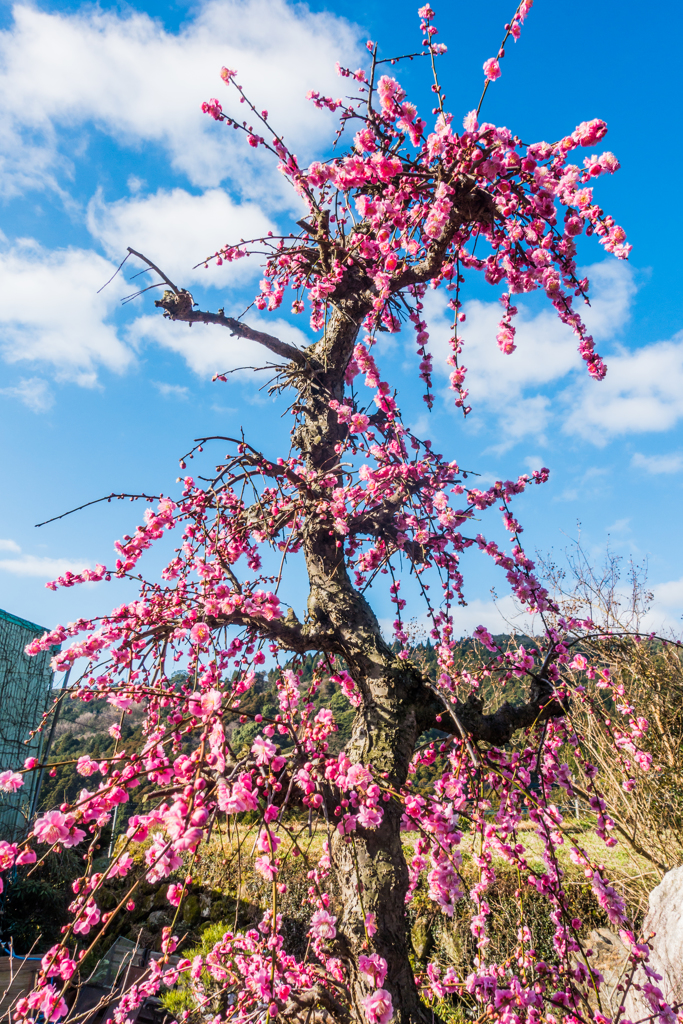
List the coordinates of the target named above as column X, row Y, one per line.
column 153, row 266
column 179, row 305
column 107, row 497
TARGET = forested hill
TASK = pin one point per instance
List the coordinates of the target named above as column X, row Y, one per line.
column 83, row 725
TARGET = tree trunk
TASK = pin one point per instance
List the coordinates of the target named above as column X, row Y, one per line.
column 369, row 868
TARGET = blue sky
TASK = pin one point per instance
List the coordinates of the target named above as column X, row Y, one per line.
column 103, row 145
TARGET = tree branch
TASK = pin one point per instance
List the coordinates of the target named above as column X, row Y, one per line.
column 317, row 999
column 378, row 522
column 288, row 632
column 180, row 306
column 496, row 728
column 470, row 204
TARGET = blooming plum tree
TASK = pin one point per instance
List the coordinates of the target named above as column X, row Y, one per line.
column 363, row 503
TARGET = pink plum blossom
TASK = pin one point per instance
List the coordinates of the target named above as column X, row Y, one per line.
column 263, row 750
column 378, row 1007
column 492, row 69
column 200, row 634
column 10, row 781
column 323, row 925
column 51, row 828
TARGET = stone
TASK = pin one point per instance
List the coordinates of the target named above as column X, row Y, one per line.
column 142, row 937
column 422, row 937
column 452, row 941
column 664, row 922
column 663, row 929
column 611, row 958
column 158, row 919
column 192, row 913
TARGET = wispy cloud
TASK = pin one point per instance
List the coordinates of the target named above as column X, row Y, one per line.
column 34, row 392
column 172, row 390
column 656, row 464
column 41, row 566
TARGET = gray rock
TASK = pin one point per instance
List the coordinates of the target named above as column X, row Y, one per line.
column 611, row 958
column 663, row 929
column 158, row 919
column 422, row 937
column 664, row 922
column 191, row 910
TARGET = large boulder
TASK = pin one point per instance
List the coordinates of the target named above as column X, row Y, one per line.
column 611, row 958
column 663, row 928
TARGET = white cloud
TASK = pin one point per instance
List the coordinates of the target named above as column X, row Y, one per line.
column 591, row 486
column 669, row 594
column 666, row 612
column 524, row 417
column 50, row 313
column 137, row 82
column 642, row 393
column 656, row 464
column 546, row 351
column 176, row 230
column 208, row 349
column 613, row 289
column 533, row 462
column 622, row 526
column 42, row 567
column 34, row 392
column 172, row 390
column 501, row 616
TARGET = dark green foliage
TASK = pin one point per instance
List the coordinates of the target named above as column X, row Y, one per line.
column 34, row 906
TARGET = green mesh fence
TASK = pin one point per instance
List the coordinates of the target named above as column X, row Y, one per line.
column 25, row 694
